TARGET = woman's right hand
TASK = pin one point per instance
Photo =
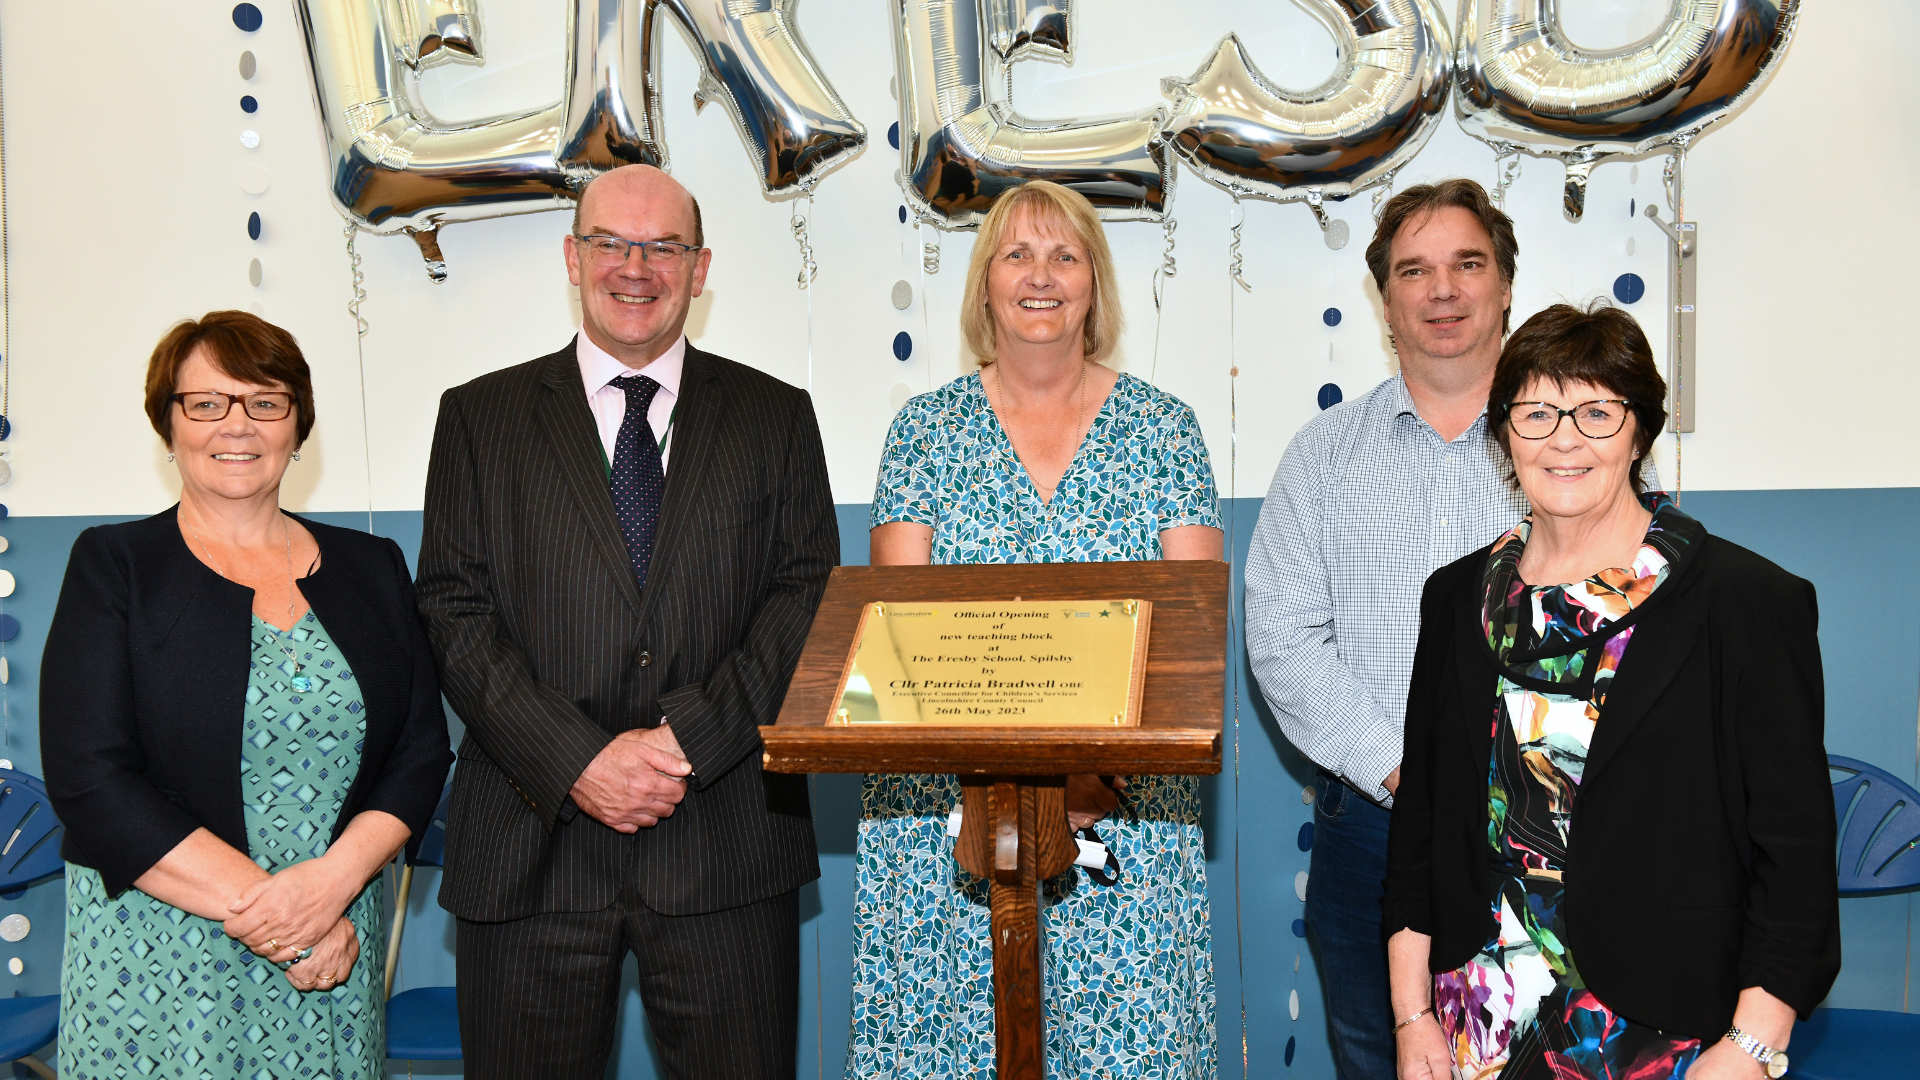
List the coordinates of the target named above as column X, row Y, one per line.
column 332, row 959
column 1423, row 1051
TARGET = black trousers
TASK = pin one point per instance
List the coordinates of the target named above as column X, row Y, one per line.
column 540, row 996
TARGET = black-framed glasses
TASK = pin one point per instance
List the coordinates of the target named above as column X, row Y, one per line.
column 1601, row 419
column 208, row 407
column 613, row 251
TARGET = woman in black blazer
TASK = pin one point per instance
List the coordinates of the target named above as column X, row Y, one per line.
column 1612, row 849
column 235, row 751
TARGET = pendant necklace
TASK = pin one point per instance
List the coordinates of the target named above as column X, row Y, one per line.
column 300, row 681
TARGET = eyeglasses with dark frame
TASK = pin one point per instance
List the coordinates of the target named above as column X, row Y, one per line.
column 210, row 407
column 1601, row 418
column 614, row 251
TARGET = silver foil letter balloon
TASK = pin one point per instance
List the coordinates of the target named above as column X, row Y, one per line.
column 1374, row 113
column 1523, row 85
column 962, row 144
column 394, row 167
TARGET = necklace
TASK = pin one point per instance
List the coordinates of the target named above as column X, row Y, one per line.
column 1078, row 415
column 300, row 681
column 1026, row 535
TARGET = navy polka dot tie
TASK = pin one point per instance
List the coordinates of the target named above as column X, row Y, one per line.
column 637, row 478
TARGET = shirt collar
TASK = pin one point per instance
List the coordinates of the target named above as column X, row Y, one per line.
column 599, row 367
column 1403, row 406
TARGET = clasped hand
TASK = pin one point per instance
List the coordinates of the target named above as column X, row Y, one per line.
column 635, row 780
column 298, row 907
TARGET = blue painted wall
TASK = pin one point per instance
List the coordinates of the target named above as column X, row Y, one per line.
column 1860, row 547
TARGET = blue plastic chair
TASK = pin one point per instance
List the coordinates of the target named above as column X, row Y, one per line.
column 1879, row 852
column 29, row 851
column 423, row 1024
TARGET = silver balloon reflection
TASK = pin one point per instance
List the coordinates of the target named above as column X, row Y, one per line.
column 395, row 168
column 1032, row 30
column 962, row 145
column 438, row 31
column 1375, row 112
column 1524, row 86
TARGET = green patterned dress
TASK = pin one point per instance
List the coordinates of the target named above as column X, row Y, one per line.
column 149, row 990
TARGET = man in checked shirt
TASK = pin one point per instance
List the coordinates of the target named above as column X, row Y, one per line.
column 1371, row 497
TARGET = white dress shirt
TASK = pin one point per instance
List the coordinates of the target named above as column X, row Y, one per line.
column 609, row 403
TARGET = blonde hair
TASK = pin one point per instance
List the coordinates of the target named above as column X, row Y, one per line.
column 1063, row 208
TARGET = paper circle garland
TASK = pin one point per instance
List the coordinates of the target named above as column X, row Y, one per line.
column 902, row 346
column 246, row 17
column 1330, row 396
column 1629, row 288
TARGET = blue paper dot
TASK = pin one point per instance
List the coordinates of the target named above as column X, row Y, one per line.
column 253, row 225
column 1289, row 1051
column 1628, row 288
column 6, row 429
column 1331, row 316
column 246, row 17
column 1330, row 396
column 1632, row 205
column 1305, row 839
column 893, row 136
column 902, row 345
column 9, row 628
column 1299, row 928
column 247, row 104
column 3, row 511
column 903, row 215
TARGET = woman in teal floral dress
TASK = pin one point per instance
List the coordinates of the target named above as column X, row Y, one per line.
column 241, row 725
column 1044, row 456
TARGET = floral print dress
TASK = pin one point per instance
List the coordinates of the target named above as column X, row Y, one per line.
column 1519, row 1009
column 1129, row 967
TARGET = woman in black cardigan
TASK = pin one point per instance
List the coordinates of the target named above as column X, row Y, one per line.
column 1612, row 849
column 235, row 751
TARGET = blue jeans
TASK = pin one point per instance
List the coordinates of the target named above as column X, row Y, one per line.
column 1346, row 885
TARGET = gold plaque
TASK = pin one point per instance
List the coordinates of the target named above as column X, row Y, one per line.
column 1014, row 663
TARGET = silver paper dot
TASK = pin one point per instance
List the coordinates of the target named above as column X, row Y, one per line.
column 6, row 676
column 6, row 576
column 1306, row 795
column 3, row 543
column 893, row 87
column 1338, row 233
column 15, row 927
column 902, row 295
column 253, row 272
column 247, row 65
column 1300, row 884
column 6, row 472
column 254, row 180
column 14, row 965
column 1629, row 245
column 249, row 138
column 899, row 394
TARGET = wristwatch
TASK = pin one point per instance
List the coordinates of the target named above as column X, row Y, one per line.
column 1774, row 1061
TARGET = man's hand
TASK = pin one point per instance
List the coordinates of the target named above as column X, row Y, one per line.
column 1392, row 782
column 636, row 780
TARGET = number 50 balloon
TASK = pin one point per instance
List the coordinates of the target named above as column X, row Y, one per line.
column 395, row 168
column 1522, row 85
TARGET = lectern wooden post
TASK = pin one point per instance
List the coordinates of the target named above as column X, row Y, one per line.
column 1013, row 779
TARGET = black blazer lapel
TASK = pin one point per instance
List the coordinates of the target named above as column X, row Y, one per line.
column 692, row 457
column 1662, row 645
column 1477, row 679
column 578, row 456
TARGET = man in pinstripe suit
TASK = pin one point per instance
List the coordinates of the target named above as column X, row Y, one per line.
column 624, row 545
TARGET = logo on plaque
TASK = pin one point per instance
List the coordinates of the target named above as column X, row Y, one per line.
column 1018, row 663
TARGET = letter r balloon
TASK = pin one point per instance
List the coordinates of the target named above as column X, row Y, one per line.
column 393, row 167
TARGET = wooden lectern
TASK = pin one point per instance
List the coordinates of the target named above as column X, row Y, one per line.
column 1013, row 779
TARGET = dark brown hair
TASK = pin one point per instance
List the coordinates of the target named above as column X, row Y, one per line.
column 240, row 346
column 1601, row 345
column 1423, row 199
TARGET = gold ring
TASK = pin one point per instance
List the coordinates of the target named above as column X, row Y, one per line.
column 272, row 945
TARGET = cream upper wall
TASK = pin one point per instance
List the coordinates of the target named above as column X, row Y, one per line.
column 127, row 133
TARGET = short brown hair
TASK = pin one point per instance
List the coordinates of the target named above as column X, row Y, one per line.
column 240, row 346
column 1601, row 345
column 1068, row 210
column 699, row 229
column 1423, row 199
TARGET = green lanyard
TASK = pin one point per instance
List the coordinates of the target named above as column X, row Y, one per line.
column 663, row 441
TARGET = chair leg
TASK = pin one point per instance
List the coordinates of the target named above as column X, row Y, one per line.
column 39, row 1066
column 399, row 923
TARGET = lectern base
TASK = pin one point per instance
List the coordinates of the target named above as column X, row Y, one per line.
column 1013, row 831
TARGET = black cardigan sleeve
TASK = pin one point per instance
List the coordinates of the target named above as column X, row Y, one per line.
column 1410, row 831
column 116, row 820
column 415, row 771
column 1775, row 708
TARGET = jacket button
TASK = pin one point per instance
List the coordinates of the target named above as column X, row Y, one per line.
column 644, row 658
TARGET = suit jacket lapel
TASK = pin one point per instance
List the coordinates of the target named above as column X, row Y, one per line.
column 692, row 458
column 1662, row 645
column 1477, row 678
column 578, row 456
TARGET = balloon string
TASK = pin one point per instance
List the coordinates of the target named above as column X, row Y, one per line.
column 1234, row 267
column 360, row 353
column 798, row 223
column 1380, row 193
column 930, row 255
column 1504, row 174
column 1674, row 178
column 1167, row 268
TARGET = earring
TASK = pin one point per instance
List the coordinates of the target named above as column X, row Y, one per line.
column 169, row 457
column 296, row 455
